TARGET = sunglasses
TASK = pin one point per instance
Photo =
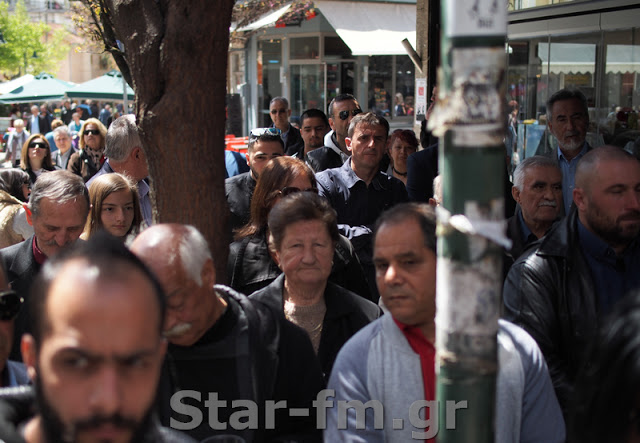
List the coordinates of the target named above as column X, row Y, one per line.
column 39, row 145
column 345, row 114
column 10, row 303
column 257, row 132
column 288, row 190
column 91, row 132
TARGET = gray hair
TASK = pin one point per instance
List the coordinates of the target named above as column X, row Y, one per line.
column 60, row 187
column 62, row 129
column 279, row 99
column 566, row 94
column 122, row 137
column 371, row 119
column 194, row 252
column 537, row 161
column 18, row 121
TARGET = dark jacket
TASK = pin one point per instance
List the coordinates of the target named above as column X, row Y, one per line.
column 422, row 168
column 274, row 360
column 323, row 158
column 251, row 268
column 21, row 268
column 17, row 406
column 238, row 190
column 82, row 164
column 346, row 314
column 293, row 138
column 55, row 155
column 550, row 293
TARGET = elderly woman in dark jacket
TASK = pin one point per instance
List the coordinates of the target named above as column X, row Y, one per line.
column 303, row 234
column 250, row 266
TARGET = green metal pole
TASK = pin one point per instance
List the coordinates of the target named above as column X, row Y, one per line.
column 470, row 120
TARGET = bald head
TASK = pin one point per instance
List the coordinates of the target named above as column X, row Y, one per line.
column 589, row 165
column 173, row 244
column 180, row 258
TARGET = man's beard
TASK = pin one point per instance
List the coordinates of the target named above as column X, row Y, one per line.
column 55, row 431
column 611, row 230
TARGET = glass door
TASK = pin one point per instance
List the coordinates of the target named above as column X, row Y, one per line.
column 307, row 88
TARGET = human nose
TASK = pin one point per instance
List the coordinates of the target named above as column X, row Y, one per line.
column 391, row 275
column 633, row 201
column 119, row 215
column 106, row 396
column 308, row 254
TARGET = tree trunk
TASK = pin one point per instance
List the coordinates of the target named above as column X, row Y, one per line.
column 177, row 55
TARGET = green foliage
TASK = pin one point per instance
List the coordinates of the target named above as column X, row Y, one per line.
column 24, row 39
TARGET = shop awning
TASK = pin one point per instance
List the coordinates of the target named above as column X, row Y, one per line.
column 371, row 28
column 269, row 19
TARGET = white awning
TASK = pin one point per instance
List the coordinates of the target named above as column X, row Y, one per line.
column 371, row 28
column 266, row 20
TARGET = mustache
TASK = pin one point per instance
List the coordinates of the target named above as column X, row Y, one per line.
column 548, row 203
column 177, row 330
column 115, row 420
column 631, row 215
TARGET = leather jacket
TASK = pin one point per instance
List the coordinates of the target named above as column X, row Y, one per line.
column 238, row 190
column 251, row 268
column 550, row 293
column 323, row 158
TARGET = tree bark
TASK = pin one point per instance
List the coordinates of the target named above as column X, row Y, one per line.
column 177, row 56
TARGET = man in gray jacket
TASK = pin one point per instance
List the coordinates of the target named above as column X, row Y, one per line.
column 389, row 365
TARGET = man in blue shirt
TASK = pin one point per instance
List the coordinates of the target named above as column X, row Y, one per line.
column 568, row 120
column 358, row 191
column 561, row 290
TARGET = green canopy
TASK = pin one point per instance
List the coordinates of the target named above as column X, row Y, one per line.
column 43, row 87
column 106, row 87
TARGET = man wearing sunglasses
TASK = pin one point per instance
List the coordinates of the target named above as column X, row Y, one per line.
column 264, row 144
column 334, row 153
column 57, row 210
column 12, row 373
column 279, row 112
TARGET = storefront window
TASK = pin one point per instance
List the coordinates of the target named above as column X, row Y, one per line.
column 380, row 74
column 620, row 102
column 269, row 63
column 515, row 5
column 403, row 100
column 305, row 48
column 306, row 88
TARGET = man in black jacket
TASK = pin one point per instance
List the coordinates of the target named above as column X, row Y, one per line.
column 264, row 144
column 586, row 262
column 224, row 348
column 57, row 210
column 279, row 112
column 95, row 351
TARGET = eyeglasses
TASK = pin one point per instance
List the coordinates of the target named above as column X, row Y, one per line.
column 345, row 114
column 38, row 145
column 288, row 190
column 91, row 132
column 10, row 303
column 257, row 132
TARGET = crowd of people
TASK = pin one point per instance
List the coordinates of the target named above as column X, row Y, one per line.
column 113, row 328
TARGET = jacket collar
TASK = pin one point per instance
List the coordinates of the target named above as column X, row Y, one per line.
column 562, row 237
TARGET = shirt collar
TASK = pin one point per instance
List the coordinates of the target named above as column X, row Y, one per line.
column 526, row 232
column 583, row 151
column 594, row 245
column 38, row 255
column 351, row 178
column 413, row 331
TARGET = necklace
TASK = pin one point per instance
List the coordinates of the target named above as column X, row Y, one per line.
column 401, row 174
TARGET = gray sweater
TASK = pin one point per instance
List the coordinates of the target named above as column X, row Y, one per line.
column 379, row 364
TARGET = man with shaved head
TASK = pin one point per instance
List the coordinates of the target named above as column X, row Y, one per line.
column 560, row 290
column 224, row 347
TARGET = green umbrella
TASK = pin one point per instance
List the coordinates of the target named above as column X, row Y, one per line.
column 106, row 87
column 43, row 87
